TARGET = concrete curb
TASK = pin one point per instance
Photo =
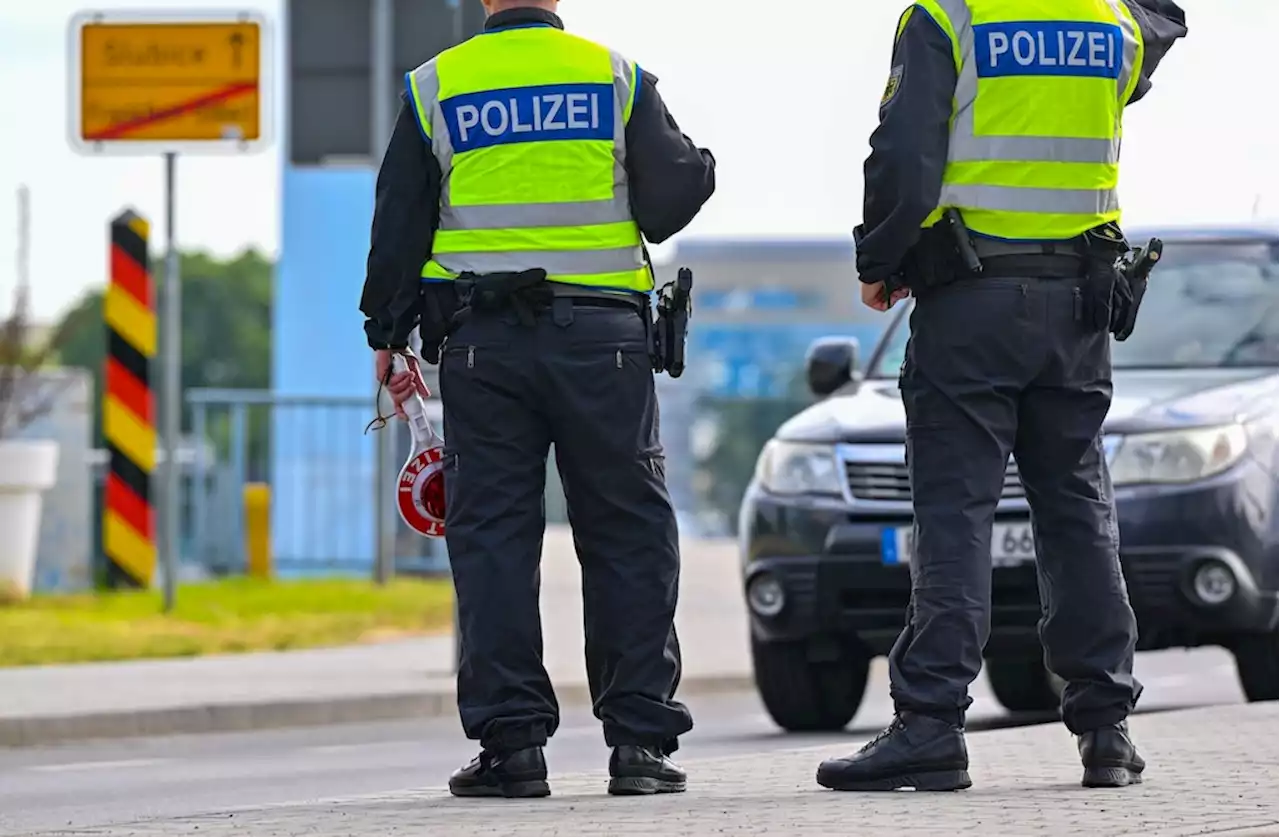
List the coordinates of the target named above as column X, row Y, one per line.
column 283, row 714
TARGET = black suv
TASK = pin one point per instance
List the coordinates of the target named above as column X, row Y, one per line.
column 825, row 524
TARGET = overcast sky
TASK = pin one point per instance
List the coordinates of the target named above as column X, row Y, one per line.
column 785, row 100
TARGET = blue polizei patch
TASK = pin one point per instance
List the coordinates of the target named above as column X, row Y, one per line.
column 529, row 114
column 1048, row 48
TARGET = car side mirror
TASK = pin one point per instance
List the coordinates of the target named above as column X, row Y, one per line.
column 832, row 363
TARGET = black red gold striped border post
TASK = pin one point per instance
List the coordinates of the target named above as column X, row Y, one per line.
column 128, row 404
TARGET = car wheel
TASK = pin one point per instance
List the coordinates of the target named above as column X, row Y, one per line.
column 1256, row 665
column 804, row 696
column 1023, row 684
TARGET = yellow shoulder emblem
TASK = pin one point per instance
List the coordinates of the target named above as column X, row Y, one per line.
column 891, row 88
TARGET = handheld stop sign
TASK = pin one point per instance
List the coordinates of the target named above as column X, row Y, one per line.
column 420, row 487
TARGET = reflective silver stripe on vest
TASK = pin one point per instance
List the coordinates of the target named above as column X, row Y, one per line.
column 1131, row 41
column 524, row 215
column 1024, row 199
column 506, row 216
column 555, row 262
column 967, row 146
column 427, row 80
column 623, row 92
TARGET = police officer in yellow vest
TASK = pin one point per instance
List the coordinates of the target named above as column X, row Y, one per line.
column 527, row 168
column 999, row 143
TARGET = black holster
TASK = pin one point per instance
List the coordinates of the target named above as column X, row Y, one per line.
column 439, row 305
column 1135, row 270
column 1104, row 286
column 933, row 262
column 525, row 292
column 671, row 326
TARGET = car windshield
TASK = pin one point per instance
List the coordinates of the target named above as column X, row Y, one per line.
column 1209, row 304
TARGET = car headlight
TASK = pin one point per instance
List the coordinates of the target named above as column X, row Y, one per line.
column 798, row 468
column 1178, row 455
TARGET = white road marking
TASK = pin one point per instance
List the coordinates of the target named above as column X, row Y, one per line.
column 95, row 765
column 348, row 748
column 1173, row 681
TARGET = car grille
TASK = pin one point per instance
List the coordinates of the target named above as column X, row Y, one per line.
column 890, row 481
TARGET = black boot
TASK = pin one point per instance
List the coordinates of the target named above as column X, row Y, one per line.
column 1110, row 758
column 916, row 751
column 640, row 771
column 519, row 774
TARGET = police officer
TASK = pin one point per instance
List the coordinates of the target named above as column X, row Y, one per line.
column 1009, row 113
column 526, row 166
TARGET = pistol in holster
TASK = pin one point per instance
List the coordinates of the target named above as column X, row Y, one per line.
column 1115, row 279
column 1101, row 248
column 671, row 326
column 1135, row 270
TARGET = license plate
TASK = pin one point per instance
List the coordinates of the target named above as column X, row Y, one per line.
column 1012, row 544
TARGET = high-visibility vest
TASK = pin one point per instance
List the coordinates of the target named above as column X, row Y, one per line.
column 1036, row 117
column 529, row 127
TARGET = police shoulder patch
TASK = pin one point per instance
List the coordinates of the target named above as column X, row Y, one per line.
column 891, row 88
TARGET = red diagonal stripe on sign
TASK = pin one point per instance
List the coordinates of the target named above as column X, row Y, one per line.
column 121, row 500
column 130, row 276
column 131, row 392
column 222, row 94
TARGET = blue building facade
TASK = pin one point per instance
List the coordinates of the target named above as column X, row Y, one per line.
column 323, row 463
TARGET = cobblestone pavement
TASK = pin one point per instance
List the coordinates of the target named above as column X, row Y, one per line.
column 1210, row 771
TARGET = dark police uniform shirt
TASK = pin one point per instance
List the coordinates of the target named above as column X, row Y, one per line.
column 670, row 179
column 903, row 175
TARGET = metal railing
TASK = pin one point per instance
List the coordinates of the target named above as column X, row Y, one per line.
column 312, row 454
column 312, row 457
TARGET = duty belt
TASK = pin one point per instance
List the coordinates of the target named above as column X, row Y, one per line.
column 529, row 292
column 588, row 295
column 1030, row 259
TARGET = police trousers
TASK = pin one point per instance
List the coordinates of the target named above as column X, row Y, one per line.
column 994, row 367
column 579, row 379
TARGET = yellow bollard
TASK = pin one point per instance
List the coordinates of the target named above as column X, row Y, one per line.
column 257, row 529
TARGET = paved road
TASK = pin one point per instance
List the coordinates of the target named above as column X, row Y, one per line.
column 120, row 781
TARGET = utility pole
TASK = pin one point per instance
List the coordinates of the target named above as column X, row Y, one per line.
column 22, row 279
column 455, row 6
column 382, row 29
column 171, row 410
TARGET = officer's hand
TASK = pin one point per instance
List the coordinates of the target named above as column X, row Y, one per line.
column 873, row 296
column 401, row 385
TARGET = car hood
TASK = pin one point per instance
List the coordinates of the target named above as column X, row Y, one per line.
column 1143, row 400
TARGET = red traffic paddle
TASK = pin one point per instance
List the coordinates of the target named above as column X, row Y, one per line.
column 420, row 487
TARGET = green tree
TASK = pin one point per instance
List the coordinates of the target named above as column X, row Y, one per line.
column 226, row 333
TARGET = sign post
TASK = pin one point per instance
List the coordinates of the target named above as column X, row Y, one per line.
column 382, row 31
column 164, row 84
